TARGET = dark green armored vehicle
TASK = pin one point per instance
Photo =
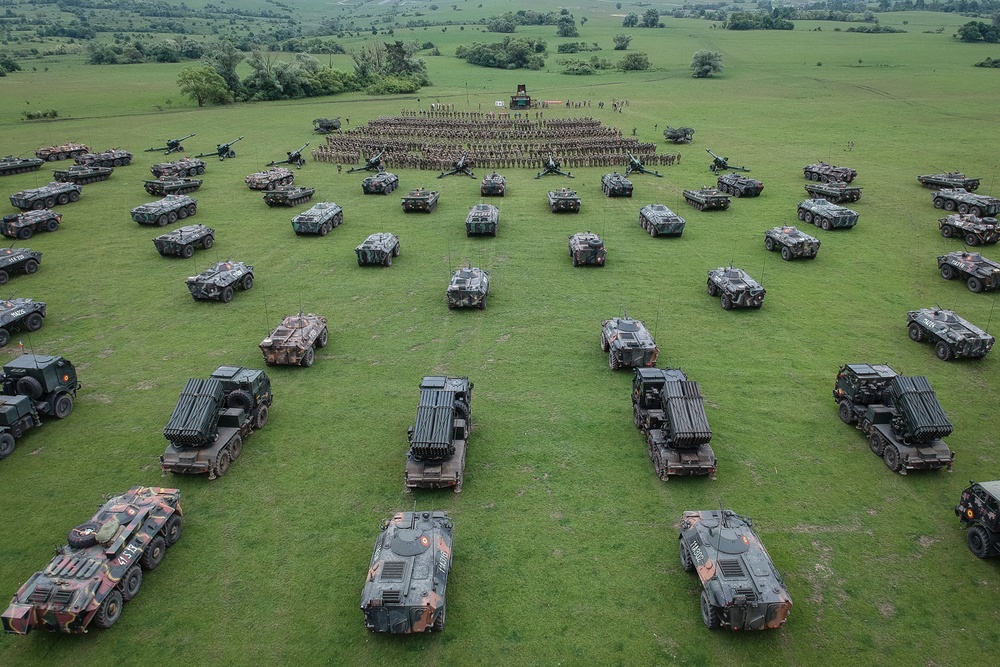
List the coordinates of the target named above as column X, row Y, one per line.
column 960, row 200
column 18, row 260
column 735, row 288
column 493, row 185
column 319, row 219
column 82, row 175
column 61, row 152
column 953, row 337
column 740, row 186
column 220, row 281
column 659, row 220
column 564, row 199
column 186, row 166
column 113, row 157
column 269, row 179
column 439, row 438
column 979, row 273
column 420, row 200
column 172, row 185
column 182, row 241
column 823, row 214
column 791, row 242
column 979, row 512
column 834, row 191
column 949, row 179
column 46, row 196
column 381, row 183
column 170, row 209
column 468, row 288
column 627, row 343
column 288, row 195
column 974, row 231
column 483, row 220
column 822, row 172
column 17, row 415
column 587, row 249
column 378, row 248
column 616, row 185
column 707, row 199
column 18, row 165
column 24, row 225
column 50, row 382
column 19, row 313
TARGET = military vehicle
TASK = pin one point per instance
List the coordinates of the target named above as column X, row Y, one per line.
column 212, row 419
column 420, row 200
column 24, row 225
column 834, row 191
column 679, row 135
column 521, row 100
column 61, row 152
column 468, row 288
column 670, row 411
column 374, row 163
column 978, row 512
column 294, row 341
column 980, row 274
column 294, row 157
column 953, row 337
column 16, row 314
column 821, row 172
column 50, row 382
column 408, row 574
column 101, row 566
column 319, row 219
column 18, row 260
column 551, row 166
column 659, row 220
column 564, row 199
column 222, row 150
column 616, row 185
column 974, row 231
column 628, row 343
column 483, row 219
column 82, row 175
column 741, row 588
column 963, row 201
column 722, row 164
column 288, row 195
column 949, row 179
column 791, row 242
column 823, row 214
column 740, row 186
column 172, row 185
column 635, row 166
column 736, row 287
column 173, row 145
column 220, row 281
column 707, row 199
column 270, row 178
column 17, row 415
column 587, row 249
column 460, row 166
column 182, row 241
column 326, row 125
column 186, row 166
column 381, row 183
column 900, row 415
column 16, row 165
column 113, row 157
column 493, row 185
column 170, row 209
column 440, row 436
column 378, row 248
column 46, row 196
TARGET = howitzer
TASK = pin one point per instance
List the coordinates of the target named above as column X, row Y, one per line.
column 294, row 157
column 222, row 150
column 459, row 167
column 722, row 163
column 551, row 166
column 635, row 165
column 374, row 163
column 173, row 145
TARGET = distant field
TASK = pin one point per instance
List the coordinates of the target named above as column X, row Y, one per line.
column 565, row 541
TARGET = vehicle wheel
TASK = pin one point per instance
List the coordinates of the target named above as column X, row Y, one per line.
column 845, row 412
column 975, row 284
column 271, row 186
column 162, row 220
column 826, row 224
column 240, row 399
column 30, row 267
column 63, row 199
column 153, row 555
column 52, row 225
column 687, row 563
column 24, row 233
column 247, row 282
column 891, row 458
column 131, row 583
column 192, row 209
column 324, row 338
column 949, row 205
column 117, row 162
column 110, row 610
column 802, row 214
column 33, row 322
column 439, row 621
column 172, row 217
column 482, row 304
column 38, row 205
column 50, row 202
column 187, row 252
column 260, row 417
column 236, row 448
column 976, row 211
column 126, row 161
column 943, row 351
column 604, row 343
column 979, row 542
column 709, row 614
column 947, row 271
column 653, row 231
column 201, row 170
column 613, row 361
column 63, row 406
column 182, row 213
column 808, row 217
column 6, row 445
column 29, row 386
column 769, row 243
column 786, row 254
column 815, row 177
column 736, row 192
column 4, row 277
column 324, row 229
column 207, row 242
column 947, row 231
column 395, row 251
column 172, row 530
column 222, row 464
column 309, row 358
column 727, row 302
column 972, row 240
column 227, row 295
column 4, row 337
column 963, row 208
column 713, row 290
column 231, row 153
column 916, row 333
column 876, row 443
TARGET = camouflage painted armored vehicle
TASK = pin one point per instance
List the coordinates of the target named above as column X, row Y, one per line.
column 791, row 242
column 440, row 436
column 707, row 199
column 670, row 411
column 186, row 166
column 468, row 288
column 949, row 179
column 900, row 415
column 220, row 281
column 269, row 179
column 172, row 185
column 170, row 209
column 420, row 200
column 326, row 125
column 826, row 173
column 408, row 574
column 381, row 183
column 974, row 231
column 980, row 274
column 82, row 175
column 616, row 185
column 50, row 382
column 741, row 588
column 735, row 287
column 483, row 220
column 288, row 195
column 101, row 566
column 113, row 157
column 378, row 248
column 740, row 186
column 18, row 260
column 679, row 135
column 319, row 219
column 962, row 201
column 493, row 185
column 659, row 220
column 17, row 415
column 46, row 196
column 17, row 165
column 182, row 241
column 834, row 191
column 295, row 340
column 979, row 512
column 823, row 214
column 587, row 249
column 953, row 337
column 628, row 343
column 61, row 152
column 24, row 225
column 564, row 199
column 16, row 314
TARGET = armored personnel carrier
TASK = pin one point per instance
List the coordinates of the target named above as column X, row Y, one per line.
column 826, row 173
column 740, row 186
column 288, row 195
column 791, row 242
column 963, row 201
column 17, row 165
column 953, row 337
column 736, row 287
column 420, row 200
column 170, row 209
column 61, row 152
column 949, row 179
column 679, row 135
column 294, row 341
column 46, row 196
column 220, row 281
column 182, row 241
column 493, row 185
column 319, row 219
column 977, row 510
column 627, row 343
column 616, row 185
column 974, row 231
column 18, row 260
column 17, row 415
column 670, row 411
column 980, row 274
column 186, row 166
column 483, row 219
column 586, row 248
column 834, row 191
column 24, row 225
column 440, row 436
column 378, row 248
column 50, row 382
column 101, row 566
column 659, row 220
column 172, row 185
column 16, row 314
column 741, row 588
column 381, row 183
column 823, row 214
column 707, row 199
column 564, row 199
column 408, row 574
column 82, row 175
column 269, row 179
column 468, row 288
column 113, row 157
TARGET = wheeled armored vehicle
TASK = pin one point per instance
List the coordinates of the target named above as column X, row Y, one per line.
column 957, row 199
column 740, row 186
column 440, row 436
column 627, row 343
column 61, row 152
column 82, row 175
column 186, row 166
column 46, row 196
column 974, row 231
column 834, row 191
column 295, row 340
column 18, row 260
column 483, row 220
column 170, row 209
column 183, row 240
column 420, row 200
column 952, row 336
column 378, row 248
column 172, row 185
column 587, row 249
column 735, row 288
column 17, row 314
column 269, row 179
column 659, row 220
column 979, row 512
column 381, row 183
column 707, row 199
column 949, row 179
column 822, row 172
column 288, row 195
column 823, row 214
column 468, row 288
column 221, row 280
column 50, row 382
column 979, row 273
column 319, row 219
column 24, row 225
column 564, row 199
column 113, row 157
column 791, row 242
column 493, row 185
column 10, row 165
column 616, row 185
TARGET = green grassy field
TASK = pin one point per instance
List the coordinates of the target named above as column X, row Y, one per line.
column 564, row 538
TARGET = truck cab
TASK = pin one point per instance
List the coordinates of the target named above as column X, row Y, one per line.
column 979, row 512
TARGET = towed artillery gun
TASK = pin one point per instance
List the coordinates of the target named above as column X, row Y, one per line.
column 173, row 146
column 722, row 163
column 294, row 157
column 551, row 166
column 635, row 166
column 374, row 163
column 461, row 166
column 223, row 150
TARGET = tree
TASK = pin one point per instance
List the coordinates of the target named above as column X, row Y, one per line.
column 706, row 63
column 566, row 27
column 650, row 19
column 224, row 58
column 634, row 62
column 631, row 20
column 203, row 84
column 622, row 41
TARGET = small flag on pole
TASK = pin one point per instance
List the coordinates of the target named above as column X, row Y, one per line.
column 20, row 344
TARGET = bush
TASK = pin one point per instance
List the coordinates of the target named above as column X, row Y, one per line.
column 634, row 62
column 705, row 63
column 38, row 115
column 989, row 62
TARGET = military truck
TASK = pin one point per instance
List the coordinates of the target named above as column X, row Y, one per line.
column 707, row 199
column 46, row 196
column 822, row 172
column 378, row 248
column 183, row 240
column 627, row 343
column 483, row 220
column 900, row 415
column 82, row 175
column 735, row 288
column 616, row 185
column 740, row 186
column 50, row 382
column 953, row 337
column 834, row 191
column 381, row 183
column 587, row 248
column 979, row 273
column 791, row 242
column 493, row 185
column 170, row 209
column 24, row 225
column 186, row 166
column 468, row 288
column 564, row 199
column 659, row 220
column 101, row 566
column 420, row 200
column 295, row 340
column 949, row 179
column 269, row 179
column 18, row 260
column 16, row 314
column 957, row 199
column 408, row 574
column 319, row 219
column 172, row 185
column 17, row 415
column 16, row 165
column 741, row 588
column 61, row 152
column 288, row 195
column 979, row 512
column 220, row 280
column 670, row 411
column 823, row 214
column 974, row 231
column 113, row 157
column 440, row 436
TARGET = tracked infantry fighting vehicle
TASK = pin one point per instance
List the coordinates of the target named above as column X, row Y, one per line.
column 18, row 260
column 741, row 588
column 186, row 166
column 170, row 209
column 979, row 512
column 468, row 288
column 440, row 436
column 17, row 165
column 182, row 241
column 420, row 200
column 627, row 343
column 979, row 273
column 18, row 314
column 825, row 173
column 587, row 249
column 740, row 186
column 564, row 199
column 949, row 179
column 288, row 195
column 679, row 135
column 493, row 185
column 974, row 231
column 953, row 337
column 707, row 199
column 319, row 219
column 963, row 201
column 220, row 281
column 834, row 191
column 791, row 242
column 24, row 225
column 381, row 183
column 113, row 157
column 46, row 196
column 823, row 214
column 379, row 249
column 50, row 382
column 172, row 185
column 295, row 340
column 82, row 175
column 269, row 179
column 408, row 574
column 616, row 185
column 735, row 288
column 17, row 415
column 101, row 566
column 659, row 220
column 61, row 152
column 483, row 220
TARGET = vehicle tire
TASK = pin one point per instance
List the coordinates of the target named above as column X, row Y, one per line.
column 916, row 332
column 30, row 267
column 786, row 254
column 727, row 302
column 324, row 229
column 963, row 208
column 324, row 338
column 709, row 614
column 162, row 220
column 713, row 290
column 192, row 209
column 876, row 443
column 187, row 252
column 24, row 233
column 395, row 251
column 972, row 240
column 236, row 448
column 808, row 217
column 33, row 322
column 736, row 192
column 110, row 610
column 360, row 262
column 975, row 284
column 947, row 231
column 207, row 242
column 943, row 351
column 52, row 225
column 182, row 213
column 308, row 358
column 126, row 161
column 271, row 186
column 63, row 199
column 201, row 170
column 769, row 244
column 172, row 217
column 687, row 563
column 891, row 458
column 613, row 361
column 979, row 542
column 604, row 343
column 247, row 282
column 227, row 295
column 815, row 177
column 153, row 554
column 260, row 417
column 976, row 211
column 949, row 205
column 231, row 153
column 117, row 162
column 439, row 621
column 50, row 202
column 4, row 277
column 38, row 205
column 6, row 445
column 802, row 214
column 826, row 224
column 482, row 303
column 462, row 408
column 172, row 530
column 240, row 399
column 29, row 386
column 845, row 412
column 83, row 536
column 131, row 583
column 222, row 464
column 947, row 271
column 653, row 231
column 4, row 337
